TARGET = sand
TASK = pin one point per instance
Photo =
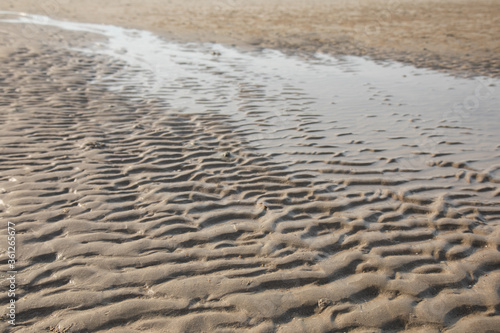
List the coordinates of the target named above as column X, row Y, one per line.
column 135, row 214
column 458, row 35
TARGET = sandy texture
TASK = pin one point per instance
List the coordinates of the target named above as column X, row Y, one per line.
column 442, row 34
column 133, row 217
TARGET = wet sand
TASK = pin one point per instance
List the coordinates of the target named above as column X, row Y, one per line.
column 456, row 35
column 198, row 207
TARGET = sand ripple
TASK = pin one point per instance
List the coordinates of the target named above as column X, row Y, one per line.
column 133, row 215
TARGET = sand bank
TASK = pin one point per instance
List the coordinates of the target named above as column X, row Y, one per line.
column 453, row 35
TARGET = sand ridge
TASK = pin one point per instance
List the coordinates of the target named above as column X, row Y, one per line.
column 134, row 216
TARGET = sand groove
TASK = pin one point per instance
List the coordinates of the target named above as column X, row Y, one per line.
column 133, row 215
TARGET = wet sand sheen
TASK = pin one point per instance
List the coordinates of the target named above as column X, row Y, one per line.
column 140, row 212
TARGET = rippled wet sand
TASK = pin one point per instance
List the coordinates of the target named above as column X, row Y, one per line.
column 191, row 188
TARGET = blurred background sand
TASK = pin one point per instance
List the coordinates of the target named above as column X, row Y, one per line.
column 440, row 34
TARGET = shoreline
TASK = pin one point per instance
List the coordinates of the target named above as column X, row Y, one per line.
column 431, row 34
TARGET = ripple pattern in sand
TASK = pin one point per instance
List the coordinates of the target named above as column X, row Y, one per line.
column 132, row 215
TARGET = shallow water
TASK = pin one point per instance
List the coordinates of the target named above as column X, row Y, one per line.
column 292, row 102
column 318, row 110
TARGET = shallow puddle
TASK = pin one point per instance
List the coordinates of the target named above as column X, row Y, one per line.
column 291, row 105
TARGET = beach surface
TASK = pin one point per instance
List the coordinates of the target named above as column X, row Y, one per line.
column 191, row 187
column 457, row 35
